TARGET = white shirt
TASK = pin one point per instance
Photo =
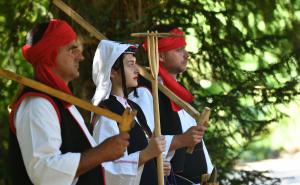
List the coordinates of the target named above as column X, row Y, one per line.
column 145, row 101
column 39, row 135
column 124, row 170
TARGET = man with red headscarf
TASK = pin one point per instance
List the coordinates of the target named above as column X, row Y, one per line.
column 49, row 141
column 188, row 168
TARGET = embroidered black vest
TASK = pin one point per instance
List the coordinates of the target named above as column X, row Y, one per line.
column 190, row 166
column 73, row 140
column 138, row 140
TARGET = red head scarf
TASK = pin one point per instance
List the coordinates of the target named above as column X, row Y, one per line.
column 43, row 54
column 169, row 43
column 166, row 44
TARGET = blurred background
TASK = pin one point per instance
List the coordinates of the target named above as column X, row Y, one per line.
column 244, row 65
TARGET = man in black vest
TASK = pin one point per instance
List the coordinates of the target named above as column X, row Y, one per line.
column 173, row 119
column 49, row 141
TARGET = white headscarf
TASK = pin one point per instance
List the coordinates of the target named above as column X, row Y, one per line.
column 106, row 55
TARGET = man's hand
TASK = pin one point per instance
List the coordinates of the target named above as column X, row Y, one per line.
column 189, row 138
column 155, row 147
column 167, row 168
column 114, row 147
column 111, row 149
column 193, row 135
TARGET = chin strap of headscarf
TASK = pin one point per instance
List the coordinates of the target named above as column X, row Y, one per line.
column 43, row 54
column 166, row 44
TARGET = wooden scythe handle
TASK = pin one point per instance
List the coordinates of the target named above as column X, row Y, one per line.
column 153, row 61
column 125, row 120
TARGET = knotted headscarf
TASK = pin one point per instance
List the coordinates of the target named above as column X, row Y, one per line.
column 43, row 54
column 166, row 44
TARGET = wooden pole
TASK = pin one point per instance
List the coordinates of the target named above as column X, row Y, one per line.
column 74, row 15
column 153, row 61
column 125, row 120
column 156, row 34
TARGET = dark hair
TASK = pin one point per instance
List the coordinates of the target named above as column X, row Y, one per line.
column 119, row 62
column 36, row 33
column 118, row 65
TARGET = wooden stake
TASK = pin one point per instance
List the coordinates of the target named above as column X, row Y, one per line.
column 74, row 15
column 153, row 61
column 125, row 120
column 156, row 34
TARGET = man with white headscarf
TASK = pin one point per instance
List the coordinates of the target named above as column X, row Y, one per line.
column 114, row 71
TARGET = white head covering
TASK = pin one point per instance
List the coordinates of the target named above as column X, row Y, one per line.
column 106, row 55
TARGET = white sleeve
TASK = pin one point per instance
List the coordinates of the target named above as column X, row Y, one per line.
column 124, row 169
column 207, row 158
column 39, row 136
column 186, row 120
column 168, row 154
column 145, row 101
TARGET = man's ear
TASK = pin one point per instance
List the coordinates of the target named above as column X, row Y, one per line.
column 162, row 57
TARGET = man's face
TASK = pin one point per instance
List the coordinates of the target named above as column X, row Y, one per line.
column 175, row 61
column 68, row 58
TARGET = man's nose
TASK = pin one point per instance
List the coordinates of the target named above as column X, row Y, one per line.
column 186, row 54
column 80, row 57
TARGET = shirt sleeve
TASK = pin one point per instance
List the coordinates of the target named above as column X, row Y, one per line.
column 39, row 136
column 208, row 160
column 124, row 169
column 186, row 120
column 145, row 101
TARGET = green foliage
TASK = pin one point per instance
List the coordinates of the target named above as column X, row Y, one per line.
column 245, row 64
column 16, row 18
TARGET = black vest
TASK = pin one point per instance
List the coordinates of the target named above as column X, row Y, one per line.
column 73, row 140
column 138, row 140
column 190, row 166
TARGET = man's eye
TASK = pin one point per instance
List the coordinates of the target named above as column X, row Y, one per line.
column 74, row 50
